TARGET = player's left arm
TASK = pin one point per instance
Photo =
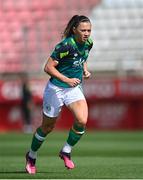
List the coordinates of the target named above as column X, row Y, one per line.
column 86, row 73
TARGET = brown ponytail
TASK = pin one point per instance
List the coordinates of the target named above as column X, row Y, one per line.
column 74, row 22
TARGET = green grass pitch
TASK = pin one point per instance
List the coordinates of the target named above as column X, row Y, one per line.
column 99, row 155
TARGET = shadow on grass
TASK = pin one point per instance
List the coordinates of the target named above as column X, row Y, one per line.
column 24, row 172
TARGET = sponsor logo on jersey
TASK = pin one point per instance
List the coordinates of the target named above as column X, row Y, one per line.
column 78, row 63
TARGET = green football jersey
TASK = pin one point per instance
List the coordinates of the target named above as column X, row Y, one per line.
column 70, row 56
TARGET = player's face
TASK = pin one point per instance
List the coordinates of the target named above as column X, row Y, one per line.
column 82, row 32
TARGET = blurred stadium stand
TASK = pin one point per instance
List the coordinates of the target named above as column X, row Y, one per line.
column 30, row 30
column 118, row 34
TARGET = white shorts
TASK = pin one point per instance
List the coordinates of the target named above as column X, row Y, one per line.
column 55, row 97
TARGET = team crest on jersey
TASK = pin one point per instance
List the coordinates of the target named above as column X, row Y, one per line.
column 75, row 55
column 48, row 107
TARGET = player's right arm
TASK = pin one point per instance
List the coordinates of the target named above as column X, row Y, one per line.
column 50, row 68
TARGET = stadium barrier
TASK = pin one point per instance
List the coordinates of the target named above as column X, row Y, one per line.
column 114, row 104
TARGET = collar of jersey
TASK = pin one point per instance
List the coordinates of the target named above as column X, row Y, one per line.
column 78, row 45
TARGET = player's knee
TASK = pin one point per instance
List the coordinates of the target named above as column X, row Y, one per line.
column 82, row 122
column 78, row 128
column 48, row 124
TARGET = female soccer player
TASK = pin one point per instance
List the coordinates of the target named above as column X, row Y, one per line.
column 66, row 66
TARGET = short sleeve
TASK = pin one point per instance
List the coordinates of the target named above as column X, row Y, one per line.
column 90, row 43
column 61, row 51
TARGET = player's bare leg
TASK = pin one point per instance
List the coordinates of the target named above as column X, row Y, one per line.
column 80, row 111
column 38, row 138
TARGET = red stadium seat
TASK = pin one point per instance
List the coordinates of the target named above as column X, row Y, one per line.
column 7, row 5
column 32, row 28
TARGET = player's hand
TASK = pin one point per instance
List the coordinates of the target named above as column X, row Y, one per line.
column 73, row 82
column 86, row 74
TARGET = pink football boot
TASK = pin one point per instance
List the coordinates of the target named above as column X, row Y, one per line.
column 30, row 165
column 67, row 160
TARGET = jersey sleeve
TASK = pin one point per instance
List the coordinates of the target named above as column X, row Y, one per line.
column 61, row 51
column 90, row 43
